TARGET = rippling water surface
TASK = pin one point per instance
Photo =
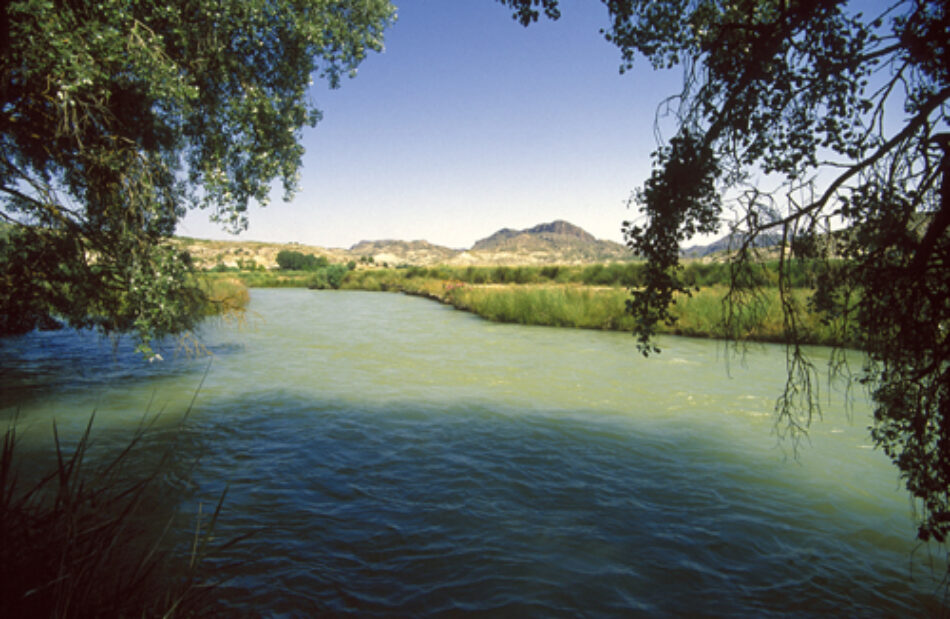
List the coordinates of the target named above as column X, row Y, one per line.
column 396, row 457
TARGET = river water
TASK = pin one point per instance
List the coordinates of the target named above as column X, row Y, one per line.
column 397, row 457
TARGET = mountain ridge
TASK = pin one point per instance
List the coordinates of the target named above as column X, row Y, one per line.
column 556, row 242
column 558, row 232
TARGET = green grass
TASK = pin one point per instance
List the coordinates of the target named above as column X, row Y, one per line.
column 82, row 539
column 591, row 296
column 553, row 305
column 758, row 317
column 264, row 279
column 700, row 315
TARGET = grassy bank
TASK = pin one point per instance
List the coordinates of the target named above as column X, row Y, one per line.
column 582, row 304
column 266, row 279
column 699, row 315
column 589, row 297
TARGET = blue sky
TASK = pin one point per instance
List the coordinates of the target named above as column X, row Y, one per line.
column 467, row 123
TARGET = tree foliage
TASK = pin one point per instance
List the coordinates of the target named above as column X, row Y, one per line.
column 329, row 277
column 828, row 127
column 290, row 260
column 118, row 115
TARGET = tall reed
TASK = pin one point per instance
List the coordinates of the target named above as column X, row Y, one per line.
column 559, row 306
column 701, row 314
column 82, row 540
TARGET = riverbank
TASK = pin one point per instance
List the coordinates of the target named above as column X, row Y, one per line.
column 589, row 297
column 604, row 308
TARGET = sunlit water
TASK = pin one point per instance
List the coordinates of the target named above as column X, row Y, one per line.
column 397, row 457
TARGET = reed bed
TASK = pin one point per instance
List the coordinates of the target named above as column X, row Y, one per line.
column 595, row 297
column 82, row 539
column 553, row 305
column 705, row 313
column 263, row 279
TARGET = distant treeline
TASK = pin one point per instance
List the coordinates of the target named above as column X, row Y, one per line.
column 325, row 275
column 289, row 260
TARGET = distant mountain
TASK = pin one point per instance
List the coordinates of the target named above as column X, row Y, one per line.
column 401, row 246
column 558, row 242
column 496, row 239
column 728, row 243
column 555, row 235
column 408, row 252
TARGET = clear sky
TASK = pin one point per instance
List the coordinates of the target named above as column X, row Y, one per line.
column 467, row 123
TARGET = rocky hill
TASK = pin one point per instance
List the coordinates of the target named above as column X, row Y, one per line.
column 403, row 252
column 555, row 235
column 558, row 242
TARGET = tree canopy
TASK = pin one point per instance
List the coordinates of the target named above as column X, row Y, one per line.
column 825, row 124
column 298, row 261
column 117, row 116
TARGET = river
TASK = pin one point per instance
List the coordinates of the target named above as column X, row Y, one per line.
column 398, row 457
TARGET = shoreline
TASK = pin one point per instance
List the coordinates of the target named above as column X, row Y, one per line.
column 579, row 304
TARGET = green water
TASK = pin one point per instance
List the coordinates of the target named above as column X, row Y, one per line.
column 400, row 457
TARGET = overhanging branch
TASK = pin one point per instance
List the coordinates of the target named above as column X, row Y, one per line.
column 912, row 127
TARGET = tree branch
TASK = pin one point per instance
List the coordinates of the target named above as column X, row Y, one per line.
column 916, row 123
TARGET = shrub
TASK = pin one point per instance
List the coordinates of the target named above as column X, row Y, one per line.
column 330, row 277
column 224, row 296
column 289, row 260
column 319, row 280
column 335, row 275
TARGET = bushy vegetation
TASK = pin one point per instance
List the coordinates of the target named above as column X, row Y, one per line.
column 224, row 295
column 265, row 279
column 555, row 305
column 328, row 278
column 289, row 260
column 695, row 274
column 800, row 273
column 614, row 274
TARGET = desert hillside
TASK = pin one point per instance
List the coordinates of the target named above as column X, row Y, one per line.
column 558, row 242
